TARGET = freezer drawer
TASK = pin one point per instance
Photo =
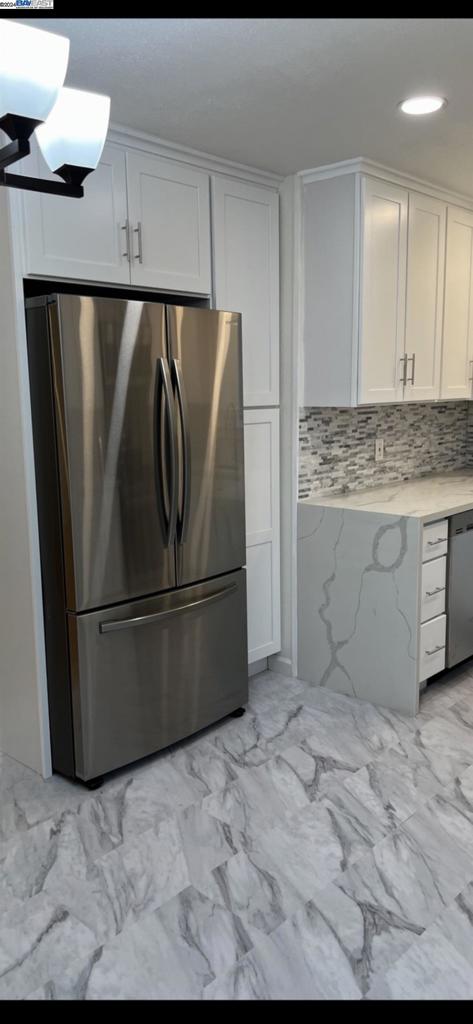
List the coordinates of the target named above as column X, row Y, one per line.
column 146, row 674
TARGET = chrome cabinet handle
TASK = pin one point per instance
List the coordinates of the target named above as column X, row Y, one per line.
column 126, row 228
column 430, row 593
column 403, row 361
column 439, row 647
column 433, row 543
column 411, row 359
column 143, row 620
column 139, row 254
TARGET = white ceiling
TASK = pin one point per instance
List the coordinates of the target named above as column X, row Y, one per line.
column 287, row 94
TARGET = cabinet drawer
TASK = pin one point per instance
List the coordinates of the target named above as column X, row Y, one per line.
column 435, row 540
column 433, row 588
column 432, row 647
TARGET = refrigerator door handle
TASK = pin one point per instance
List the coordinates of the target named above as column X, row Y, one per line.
column 143, row 620
column 164, row 387
column 183, row 516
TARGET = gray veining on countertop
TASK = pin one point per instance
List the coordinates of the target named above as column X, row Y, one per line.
column 357, row 605
column 318, row 848
column 425, row 498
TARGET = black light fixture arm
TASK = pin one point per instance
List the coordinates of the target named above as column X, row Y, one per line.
column 20, row 148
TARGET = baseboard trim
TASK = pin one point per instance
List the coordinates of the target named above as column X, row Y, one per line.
column 257, row 666
column 278, row 663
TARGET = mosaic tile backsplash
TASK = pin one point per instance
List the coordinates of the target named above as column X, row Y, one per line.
column 336, row 446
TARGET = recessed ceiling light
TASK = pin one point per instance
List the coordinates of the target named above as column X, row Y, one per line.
column 422, row 104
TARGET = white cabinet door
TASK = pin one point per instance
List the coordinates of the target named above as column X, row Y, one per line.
column 85, row 239
column 169, row 210
column 457, row 353
column 383, row 291
column 262, row 532
column 246, row 261
column 424, row 304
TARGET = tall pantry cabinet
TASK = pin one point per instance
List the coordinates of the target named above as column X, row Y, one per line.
column 246, row 260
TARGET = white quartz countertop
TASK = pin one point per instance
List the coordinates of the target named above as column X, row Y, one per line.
column 426, row 498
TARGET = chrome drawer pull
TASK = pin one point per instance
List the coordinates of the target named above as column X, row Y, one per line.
column 436, row 649
column 430, row 593
column 432, row 543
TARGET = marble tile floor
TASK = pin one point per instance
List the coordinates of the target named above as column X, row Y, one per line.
column 317, row 848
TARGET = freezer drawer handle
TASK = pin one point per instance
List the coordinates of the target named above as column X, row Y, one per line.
column 439, row 647
column 143, row 620
column 436, row 590
column 433, row 543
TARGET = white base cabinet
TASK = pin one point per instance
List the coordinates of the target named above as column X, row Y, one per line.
column 262, row 532
column 372, row 602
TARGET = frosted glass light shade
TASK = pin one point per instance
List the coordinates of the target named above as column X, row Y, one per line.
column 76, row 129
column 33, row 67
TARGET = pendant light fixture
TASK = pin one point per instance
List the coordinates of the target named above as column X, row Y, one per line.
column 71, row 125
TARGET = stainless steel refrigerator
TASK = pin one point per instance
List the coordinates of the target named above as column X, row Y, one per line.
column 137, row 412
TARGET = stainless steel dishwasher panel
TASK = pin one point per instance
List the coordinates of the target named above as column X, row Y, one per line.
column 460, row 588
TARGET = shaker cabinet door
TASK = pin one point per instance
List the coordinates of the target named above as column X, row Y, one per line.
column 85, row 239
column 457, row 353
column 383, row 291
column 169, row 210
column 424, row 304
column 262, row 532
column 246, row 261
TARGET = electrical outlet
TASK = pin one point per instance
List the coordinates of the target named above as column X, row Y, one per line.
column 379, row 449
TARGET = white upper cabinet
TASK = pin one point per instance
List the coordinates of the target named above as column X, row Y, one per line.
column 457, row 354
column 424, row 307
column 143, row 221
column 388, row 289
column 79, row 238
column 383, row 290
column 246, row 263
column 169, row 213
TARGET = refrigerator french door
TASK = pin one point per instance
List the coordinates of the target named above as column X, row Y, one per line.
column 138, row 434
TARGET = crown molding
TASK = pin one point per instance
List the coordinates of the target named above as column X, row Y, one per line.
column 125, row 136
column 361, row 165
column 331, row 170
